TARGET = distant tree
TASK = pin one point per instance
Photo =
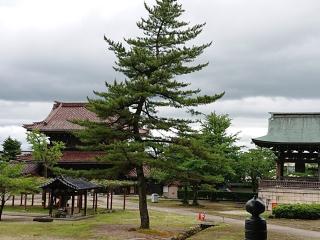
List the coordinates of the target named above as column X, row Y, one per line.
column 11, row 148
column 256, row 164
column 202, row 158
column 194, row 164
column 215, row 136
column 42, row 151
column 151, row 64
column 13, row 182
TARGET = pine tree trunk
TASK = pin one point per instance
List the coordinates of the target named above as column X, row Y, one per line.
column 254, row 183
column 185, row 200
column 2, row 205
column 195, row 195
column 45, row 171
column 143, row 207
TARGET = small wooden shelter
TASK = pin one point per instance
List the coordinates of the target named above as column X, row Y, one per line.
column 62, row 188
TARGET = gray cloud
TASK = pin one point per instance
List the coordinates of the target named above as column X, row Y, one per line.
column 265, row 56
column 261, row 48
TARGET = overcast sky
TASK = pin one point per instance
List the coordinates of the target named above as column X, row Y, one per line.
column 265, row 56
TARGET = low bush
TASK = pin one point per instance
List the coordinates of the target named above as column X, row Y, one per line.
column 220, row 195
column 297, row 211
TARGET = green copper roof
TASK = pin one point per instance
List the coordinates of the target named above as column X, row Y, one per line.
column 300, row 128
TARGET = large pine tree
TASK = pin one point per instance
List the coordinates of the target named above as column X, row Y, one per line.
column 151, row 64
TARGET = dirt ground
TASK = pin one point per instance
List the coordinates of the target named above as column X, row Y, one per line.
column 130, row 232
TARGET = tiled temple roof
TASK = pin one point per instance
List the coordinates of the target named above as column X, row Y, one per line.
column 291, row 128
column 60, row 117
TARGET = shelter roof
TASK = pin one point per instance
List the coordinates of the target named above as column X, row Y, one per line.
column 61, row 115
column 291, row 128
column 76, row 184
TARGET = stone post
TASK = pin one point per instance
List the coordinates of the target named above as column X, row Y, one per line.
column 255, row 226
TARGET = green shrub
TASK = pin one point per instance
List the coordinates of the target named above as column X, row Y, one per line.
column 219, row 195
column 297, row 211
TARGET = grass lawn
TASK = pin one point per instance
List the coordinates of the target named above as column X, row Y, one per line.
column 124, row 224
column 227, row 232
column 29, row 209
column 119, row 225
column 109, row 226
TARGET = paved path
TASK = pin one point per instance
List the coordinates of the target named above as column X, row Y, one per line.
column 307, row 234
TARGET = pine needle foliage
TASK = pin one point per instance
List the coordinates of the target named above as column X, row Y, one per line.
column 11, row 148
column 153, row 65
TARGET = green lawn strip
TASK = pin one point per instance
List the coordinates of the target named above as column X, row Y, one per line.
column 161, row 223
column 29, row 209
column 228, row 232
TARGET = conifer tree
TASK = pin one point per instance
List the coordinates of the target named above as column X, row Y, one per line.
column 11, row 148
column 153, row 65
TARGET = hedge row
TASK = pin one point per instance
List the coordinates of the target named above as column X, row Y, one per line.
column 219, row 195
column 297, row 211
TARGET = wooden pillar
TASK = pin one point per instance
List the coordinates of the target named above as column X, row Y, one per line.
column 49, row 199
column 280, row 165
column 111, row 199
column 93, row 200
column 44, row 198
column 79, row 202
column 319, row 171
column 32, row 199
column 108, row 200
column 51, row 203
column 124, row 198
column 280, row 168
column 13, row 200
column 85, row 203
column 72, row 204
column 300, row 167
column 96, row 202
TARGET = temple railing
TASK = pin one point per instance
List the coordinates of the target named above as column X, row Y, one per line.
column 289, row 184
column 305, row 179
